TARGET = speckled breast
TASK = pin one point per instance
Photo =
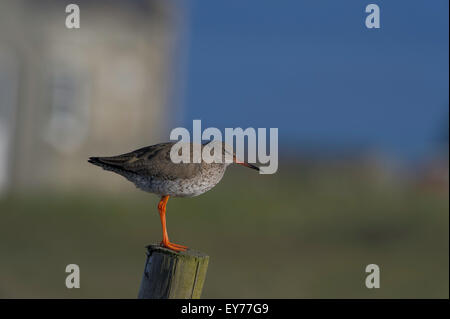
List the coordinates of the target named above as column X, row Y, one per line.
column 197, row 185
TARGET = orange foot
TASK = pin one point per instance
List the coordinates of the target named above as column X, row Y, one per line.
column 173, row 246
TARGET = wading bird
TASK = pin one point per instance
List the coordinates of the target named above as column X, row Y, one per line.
column 152, row 170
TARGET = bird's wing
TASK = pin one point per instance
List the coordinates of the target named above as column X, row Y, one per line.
column 153, row 161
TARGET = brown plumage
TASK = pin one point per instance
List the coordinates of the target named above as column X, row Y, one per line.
column 149, row 161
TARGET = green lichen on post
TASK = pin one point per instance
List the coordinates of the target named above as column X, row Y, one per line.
column 173, row 275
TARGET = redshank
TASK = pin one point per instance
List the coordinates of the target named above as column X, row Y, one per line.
column 152, row 170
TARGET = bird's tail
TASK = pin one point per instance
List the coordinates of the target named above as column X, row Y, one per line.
column 109, row 162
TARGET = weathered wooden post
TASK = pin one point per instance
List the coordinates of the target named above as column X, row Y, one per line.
column 172, row 275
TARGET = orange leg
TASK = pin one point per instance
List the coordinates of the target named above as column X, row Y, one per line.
column 162, row 214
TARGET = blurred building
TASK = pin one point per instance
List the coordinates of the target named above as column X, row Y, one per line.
column 67, row 94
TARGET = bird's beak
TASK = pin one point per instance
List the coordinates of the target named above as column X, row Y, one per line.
column 245, row 164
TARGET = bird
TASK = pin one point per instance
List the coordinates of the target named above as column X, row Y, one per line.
column 152, row 170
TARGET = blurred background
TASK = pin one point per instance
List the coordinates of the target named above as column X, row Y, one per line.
column 363, row 132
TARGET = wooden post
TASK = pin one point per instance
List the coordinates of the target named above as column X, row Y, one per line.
column 172, row 275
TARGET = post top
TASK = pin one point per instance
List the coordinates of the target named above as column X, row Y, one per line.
column 187, row 254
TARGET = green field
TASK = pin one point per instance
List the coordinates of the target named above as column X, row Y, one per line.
column 297, row 234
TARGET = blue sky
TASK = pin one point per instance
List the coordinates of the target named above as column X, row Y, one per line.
column 312, row 69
